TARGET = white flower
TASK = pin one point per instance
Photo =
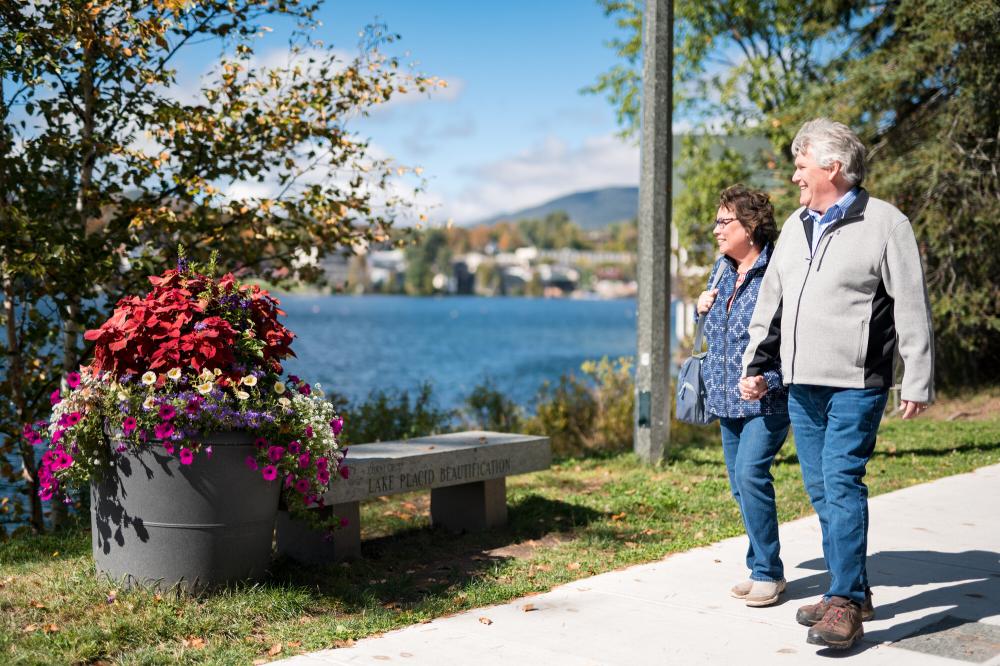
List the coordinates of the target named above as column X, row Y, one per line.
column 284, row 402
column 249, row 380
column 206, row 375
column 279, row 387
column 217, row 372
column 149, row 378
column 318, row 392
column 204, row 388
column 174, row 373
column 148, row 403
column 242, row 395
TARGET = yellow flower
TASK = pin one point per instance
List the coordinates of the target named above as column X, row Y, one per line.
column 217, row 372
column 174, row 373
column 249, row 380
column 242, row 395
column 284, row 402
column 148, row 402
column 206, row 375
column 204, row 388
column 149, row 378
column 279, row 387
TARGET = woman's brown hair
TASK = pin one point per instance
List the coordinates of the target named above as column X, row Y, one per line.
column 754, row 210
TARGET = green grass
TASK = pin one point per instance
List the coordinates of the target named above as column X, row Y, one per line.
column 579, row 518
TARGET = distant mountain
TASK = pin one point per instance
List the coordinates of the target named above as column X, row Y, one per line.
column 594, row 209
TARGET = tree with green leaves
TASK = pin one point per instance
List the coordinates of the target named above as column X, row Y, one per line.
column 915, row 78
column 108, row 164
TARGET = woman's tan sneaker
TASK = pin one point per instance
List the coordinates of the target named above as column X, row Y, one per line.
column 765, row 592
column 741, row 589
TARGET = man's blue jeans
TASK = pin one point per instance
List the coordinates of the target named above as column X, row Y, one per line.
column 835, row 432
column 749, row 446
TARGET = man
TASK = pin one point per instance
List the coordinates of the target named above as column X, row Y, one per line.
column 844, row 287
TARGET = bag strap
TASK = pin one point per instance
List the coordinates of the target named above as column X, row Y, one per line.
column 700, row 328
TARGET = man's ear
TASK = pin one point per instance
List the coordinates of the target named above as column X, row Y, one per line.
column 835, row 168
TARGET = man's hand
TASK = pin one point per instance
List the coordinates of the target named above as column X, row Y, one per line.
column 753, row 388
column 705, row 301
column 912, row 409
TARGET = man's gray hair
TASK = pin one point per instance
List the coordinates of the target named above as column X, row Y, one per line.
column 829, row 141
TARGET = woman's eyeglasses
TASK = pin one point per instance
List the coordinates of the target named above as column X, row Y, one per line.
column 723, row 221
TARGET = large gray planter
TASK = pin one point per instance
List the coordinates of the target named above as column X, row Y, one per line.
column 158, row 523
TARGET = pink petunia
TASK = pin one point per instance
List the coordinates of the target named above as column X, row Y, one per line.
column 168, row 446
column 167, row 412
column 304, row 460
column 305, row 390
column 289, row 480
column 294, row 447
column 208, row 451
column 270, row 473
column 129, row 425
column 309, row 431
column 251, row 462
column 187, row 457
column 323, row 476
column 260, row 442
column 193, row 406
column 57, row 435
column 345, row 471
column 337, row 425
column 275, row 452
column 73, row 379
column 302, row 486
column 344, row 522
column 55, row 398
column 321, row 464
column 163, row 430
column 45, row 492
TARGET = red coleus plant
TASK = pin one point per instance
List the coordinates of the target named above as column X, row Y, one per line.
column 193, row 320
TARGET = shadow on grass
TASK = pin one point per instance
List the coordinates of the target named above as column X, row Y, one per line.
column 426, row 565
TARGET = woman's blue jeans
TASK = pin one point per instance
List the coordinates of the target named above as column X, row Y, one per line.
column 835, row 432
column 749, row 446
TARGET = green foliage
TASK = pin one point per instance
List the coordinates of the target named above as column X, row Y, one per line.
column 487, row 408
column 554, row 231
column 916, row 79
column 106, row 164
column 391, row 415
column 427, row 256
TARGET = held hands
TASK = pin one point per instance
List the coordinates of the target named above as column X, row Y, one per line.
column 753, row 388
column 911, row 409
column 705, row 301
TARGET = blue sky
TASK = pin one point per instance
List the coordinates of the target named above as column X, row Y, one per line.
column 512, row 128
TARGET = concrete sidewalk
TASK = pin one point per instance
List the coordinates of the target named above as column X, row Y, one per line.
column 934, row 562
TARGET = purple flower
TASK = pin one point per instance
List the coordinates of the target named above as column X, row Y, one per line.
column 163, row 430
column 345, row 471
column 275, row 452
column 251, row 462
column 344, row 522
column 302, row 486
column 293, row 447
column 304, row 460
column 270, row 473
column 323, row 476
column 309, row 431
column 167, row 412
column 260, row 442
column 321, row 464
column 337, row 425
column 304, row 389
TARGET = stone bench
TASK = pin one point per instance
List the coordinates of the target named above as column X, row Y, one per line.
column 465, row 471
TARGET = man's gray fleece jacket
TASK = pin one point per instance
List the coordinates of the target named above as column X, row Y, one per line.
column 833, row 318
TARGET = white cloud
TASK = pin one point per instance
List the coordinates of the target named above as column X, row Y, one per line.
column 547, row 170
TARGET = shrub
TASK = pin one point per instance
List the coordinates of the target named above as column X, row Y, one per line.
column 385, row 416
column 488, row 408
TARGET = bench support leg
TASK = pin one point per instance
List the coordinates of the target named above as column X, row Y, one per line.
column 300, row 542
column 470, row 506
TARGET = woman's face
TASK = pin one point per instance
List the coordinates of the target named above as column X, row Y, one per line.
column 733, row 239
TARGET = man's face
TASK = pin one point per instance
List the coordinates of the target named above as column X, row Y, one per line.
column 816, row 189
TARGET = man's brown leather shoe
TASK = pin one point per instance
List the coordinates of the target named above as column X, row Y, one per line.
column 840, row 626
column 813, row 613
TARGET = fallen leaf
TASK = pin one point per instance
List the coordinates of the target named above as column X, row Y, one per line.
column 294, row 644
column 527, row 608
column 275, row 649
column 618, row 516
column 28, row 628
column 543, row 567
column 649, row 532
column 631, row 544
column 485, row 620
column 55, row 554
column 193, row 642
column 259, row 662
column 717, row 561
column 51, row 628
column 158, row 597
column 573, row 566
column 36, row 604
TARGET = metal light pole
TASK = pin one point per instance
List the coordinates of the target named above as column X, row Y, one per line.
column 652, row 377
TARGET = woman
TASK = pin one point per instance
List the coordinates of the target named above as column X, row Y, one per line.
column 752, row 431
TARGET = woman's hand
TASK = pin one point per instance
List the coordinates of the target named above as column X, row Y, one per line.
column 753, row 388
column 705, row 301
